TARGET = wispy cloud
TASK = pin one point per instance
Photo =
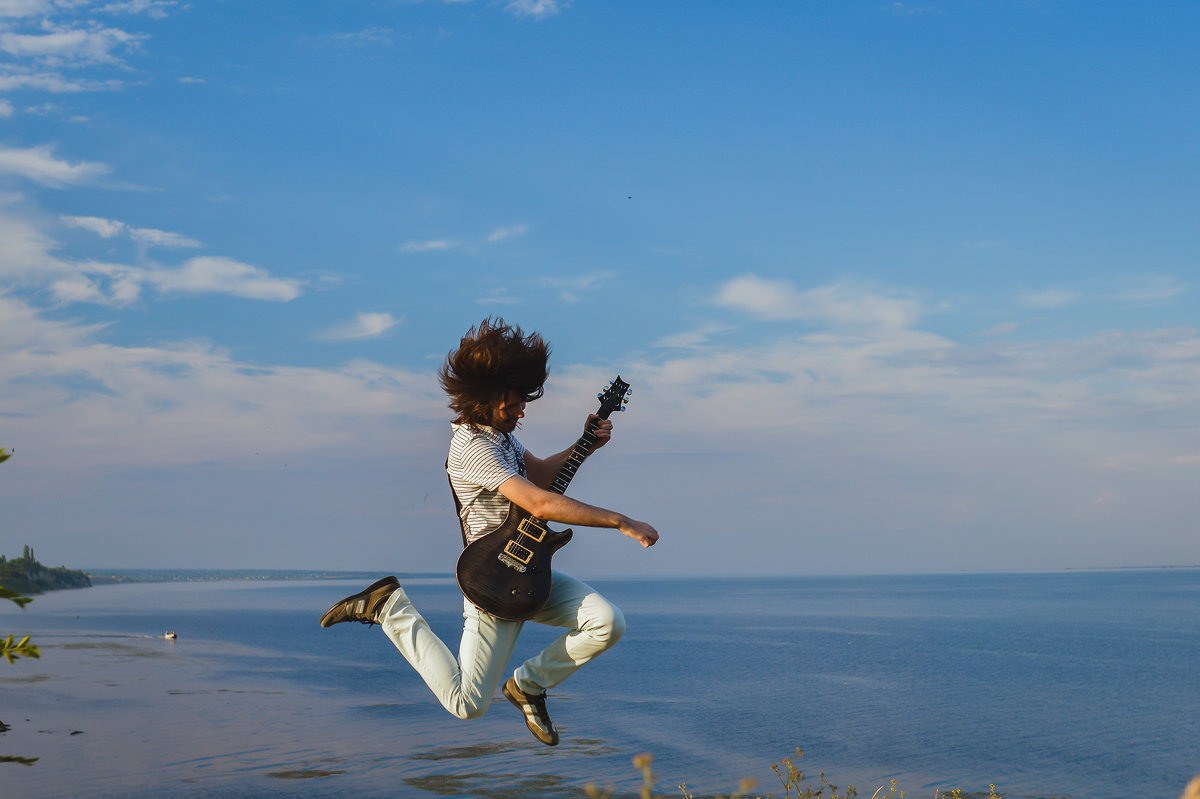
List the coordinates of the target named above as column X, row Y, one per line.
column 58, row 45
column 430, row 245
column 16, row 9
column 570, row 288
column 215, row 275
column 840, row 304
column 104, row 228
column 499, row 296
column 40, row 165
column 18, row 78
column 110, row 228
column 1135, row 290
column 362, row 326
column 1004, row 328
column 161, row 238
column 185, row 402
column 500, row 234
column 538, row 9
column 373, row 35
column 695, row 338
column 908, row 9
column 29, row 258
column 151, row 8
column 1050, row 298
column 468, row 244
column 1150, row 289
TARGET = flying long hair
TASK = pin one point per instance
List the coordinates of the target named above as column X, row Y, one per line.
column 492, row 359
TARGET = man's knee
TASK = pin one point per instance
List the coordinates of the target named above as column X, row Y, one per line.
column 607, row 624
column 467, row 710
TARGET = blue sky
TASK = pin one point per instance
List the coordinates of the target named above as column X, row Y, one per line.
column 900, row 287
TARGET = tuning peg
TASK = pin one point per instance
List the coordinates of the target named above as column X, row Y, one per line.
column 599, row 396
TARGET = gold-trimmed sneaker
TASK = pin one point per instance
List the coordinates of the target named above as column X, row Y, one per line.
column 534, row 707
column 364, row 606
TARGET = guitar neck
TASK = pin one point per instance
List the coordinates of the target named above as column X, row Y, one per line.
column 583, row 447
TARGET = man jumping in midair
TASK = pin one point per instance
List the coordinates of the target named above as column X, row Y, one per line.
column 490, row 378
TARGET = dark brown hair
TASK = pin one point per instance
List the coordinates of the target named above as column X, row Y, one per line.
column 492, row 359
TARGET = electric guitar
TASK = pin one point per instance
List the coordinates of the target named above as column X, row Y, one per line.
column 506, row 572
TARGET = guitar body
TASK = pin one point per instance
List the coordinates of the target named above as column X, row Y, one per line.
column 507, row 572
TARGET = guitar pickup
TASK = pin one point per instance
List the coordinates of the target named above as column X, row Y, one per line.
column 532, row 529
column 518, row 552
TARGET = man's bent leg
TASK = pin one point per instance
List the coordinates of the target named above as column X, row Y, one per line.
column 465, row 686
column 595, row 625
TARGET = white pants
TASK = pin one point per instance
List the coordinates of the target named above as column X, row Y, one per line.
column 465, row 685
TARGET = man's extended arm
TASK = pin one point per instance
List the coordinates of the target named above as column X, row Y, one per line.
column 553, row 507
column 532, row 494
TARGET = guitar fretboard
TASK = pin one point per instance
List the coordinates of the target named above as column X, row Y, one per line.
column 579, row 452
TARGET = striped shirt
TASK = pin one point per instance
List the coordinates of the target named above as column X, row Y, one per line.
column 482, row 458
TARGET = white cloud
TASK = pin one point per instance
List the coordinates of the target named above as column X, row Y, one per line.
column 217, row 275
column 6, row 109
column 27, row 259
column 1002, row 329
column 1150, row 289
column 499, row 296
column 152, row 8
column 104, row 228
column 539, row 9
column 78, row 288
column 838, row 304
column 15, row 79
column 363, row 325
column 162, row 238
column 570, row 288
column 26, row 8
column 61, row 45
column 39, row 165
column 186, row 402
column 500, row 234
column 109, row 228
column 469, row 245
column 427, row 246
column 25, row 252
column 371, row 35
column 1050, row 298
column 692, row 339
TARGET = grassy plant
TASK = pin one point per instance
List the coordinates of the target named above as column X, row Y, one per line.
column 794, row 782
column 957, row 793
column 10, row 650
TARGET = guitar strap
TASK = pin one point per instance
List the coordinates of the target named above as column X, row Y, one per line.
column 457, row 505
column 462, row 526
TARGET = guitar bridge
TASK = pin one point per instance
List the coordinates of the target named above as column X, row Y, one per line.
column 510, row 563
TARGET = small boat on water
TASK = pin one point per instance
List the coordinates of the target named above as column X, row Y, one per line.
column 169, row 635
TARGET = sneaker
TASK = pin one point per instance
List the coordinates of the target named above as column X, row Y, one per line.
column 362, row 607
column 534, row 707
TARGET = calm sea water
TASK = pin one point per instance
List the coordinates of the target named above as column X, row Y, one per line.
column 1076, row 684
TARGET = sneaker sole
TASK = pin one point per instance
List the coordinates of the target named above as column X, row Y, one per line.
column 361, row 596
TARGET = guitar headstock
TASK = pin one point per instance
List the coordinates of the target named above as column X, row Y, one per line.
column 613, row 398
